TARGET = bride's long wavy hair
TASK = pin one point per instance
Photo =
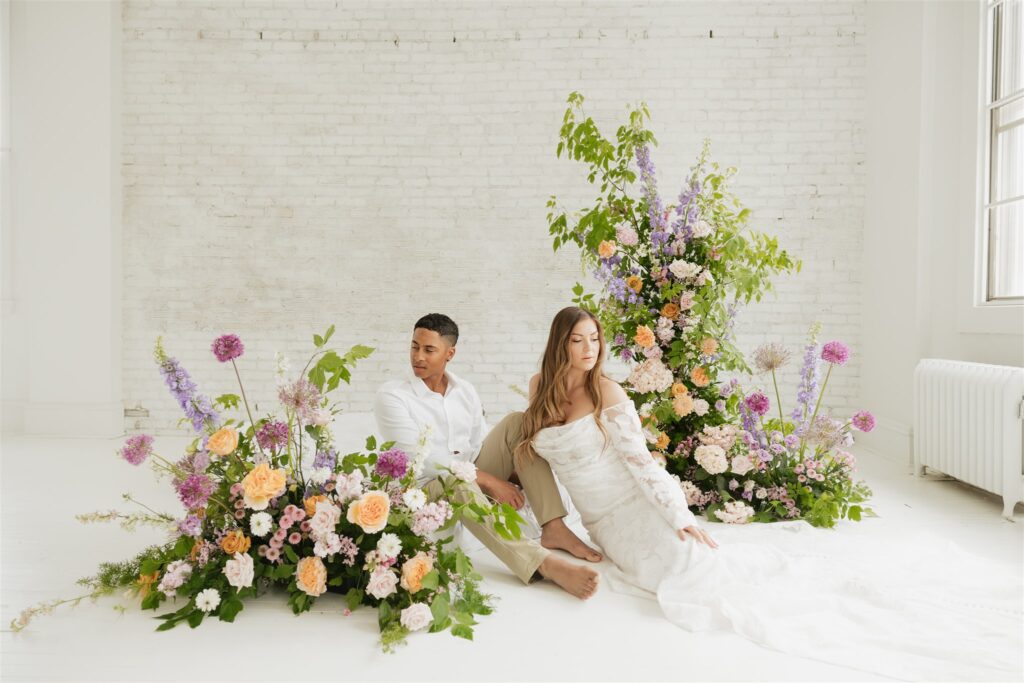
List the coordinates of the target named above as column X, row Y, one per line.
column 545, row 409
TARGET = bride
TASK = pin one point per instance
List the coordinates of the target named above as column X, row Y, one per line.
column 786, row 586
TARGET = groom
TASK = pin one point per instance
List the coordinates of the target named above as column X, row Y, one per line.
column 434, row 395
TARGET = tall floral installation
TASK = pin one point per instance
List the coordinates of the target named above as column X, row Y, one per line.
column 253, row 517
column 672, row 277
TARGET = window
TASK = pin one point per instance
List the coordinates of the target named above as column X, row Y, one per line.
column 1004, row 185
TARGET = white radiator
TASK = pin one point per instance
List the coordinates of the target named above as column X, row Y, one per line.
column 968, row 424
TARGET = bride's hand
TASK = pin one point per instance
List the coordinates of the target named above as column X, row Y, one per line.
column 699, row 534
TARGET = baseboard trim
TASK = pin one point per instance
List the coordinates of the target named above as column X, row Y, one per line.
column 890, row 440
column 102, row 420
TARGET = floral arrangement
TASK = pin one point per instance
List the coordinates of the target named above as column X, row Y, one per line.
column 672, row 278
column 254, row 518
column 776, row 466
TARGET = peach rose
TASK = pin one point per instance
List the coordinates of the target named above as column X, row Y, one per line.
column 235, row 542
column 224, row 441
column 606, row 249
column 635, row 283
column 700, row 376
column 708, row 346
column 644, row 336
column 662, row 442
column 311, row 576
column 670, row 311
column 146, row 582
column 262, row 484
column 413, row 571
column 683, row 405
column 370, row 511
column 678, row 389
column 310, row 504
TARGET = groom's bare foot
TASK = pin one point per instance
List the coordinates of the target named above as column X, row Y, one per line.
column 557, row 536
column 573, row 578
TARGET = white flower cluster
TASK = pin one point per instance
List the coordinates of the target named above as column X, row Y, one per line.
column 735, row 512
column 651, row 375
column 711, row 458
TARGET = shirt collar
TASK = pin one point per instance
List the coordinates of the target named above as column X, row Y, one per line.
column 420, row 388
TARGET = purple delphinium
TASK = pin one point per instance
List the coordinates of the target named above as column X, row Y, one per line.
column 835, row 352
column 863, row 421
column 750, row 423
column 195, row 491
column 137, row 448
column 190, row 526
column 272, row 435
column 227, row 347
column 393, row 463
column 197, row 408
column 807, row 390
column 758, row 403
column 660, row 236
column 328, row 459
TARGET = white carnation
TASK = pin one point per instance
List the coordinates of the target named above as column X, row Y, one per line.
column 414, row 499
column 466, row 471
column 711, row 458
column 208, row 600
column 389, row 545
column 735, row 512
column 416, row 616
column 260, row 523
column 348, row 486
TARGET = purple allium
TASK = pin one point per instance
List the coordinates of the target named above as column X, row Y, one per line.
column 190, row 526
column 195, row 491
column 137, row 448
column 835, row 352
column 393, row 463
column 196, row 407
column 227, row 347
column 863, row 421
column 272, row 435
column 758, row 403
column 303, row 397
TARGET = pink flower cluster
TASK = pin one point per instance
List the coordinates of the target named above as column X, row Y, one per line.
column 431, row 517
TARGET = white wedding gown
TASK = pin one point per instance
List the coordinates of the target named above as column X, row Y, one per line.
column 932, row 612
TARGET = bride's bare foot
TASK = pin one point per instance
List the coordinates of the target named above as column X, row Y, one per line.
column 557, row 536
column 572, row 578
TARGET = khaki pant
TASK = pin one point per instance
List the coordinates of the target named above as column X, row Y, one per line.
column 496, row 458
column 522, row 556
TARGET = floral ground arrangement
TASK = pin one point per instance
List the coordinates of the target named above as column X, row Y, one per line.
column 672, row 277
column 357, row 524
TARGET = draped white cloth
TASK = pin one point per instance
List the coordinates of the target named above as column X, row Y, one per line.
column 931, row 612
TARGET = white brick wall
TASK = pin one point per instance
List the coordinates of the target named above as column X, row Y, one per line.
column 289, row 165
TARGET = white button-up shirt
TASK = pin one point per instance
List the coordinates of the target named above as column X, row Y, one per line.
column 404, row 407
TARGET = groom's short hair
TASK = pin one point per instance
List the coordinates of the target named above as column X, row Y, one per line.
column 440, row 323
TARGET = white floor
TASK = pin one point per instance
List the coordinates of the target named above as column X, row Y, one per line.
column 537, row 632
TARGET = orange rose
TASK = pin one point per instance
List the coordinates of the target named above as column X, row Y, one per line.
column 235, row 542
column 662, row 442
column 670, row 311
column 370, row 511
column 311, row 576
column 708, row 346
column 310, row 504
column 223, row 441
column 644, row 337
column 683, row 405
column 635, row 283
column 262, row 484
column 678, row 389
column 700, row 376
column 606, row 249
column 413, row 571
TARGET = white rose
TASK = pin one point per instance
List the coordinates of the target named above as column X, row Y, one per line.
column 389, row 545
column 382, row 583
column 416, row 616
column 239, row 571
column 466, row 471
column 742, row 464
column 700, row 406
column 260, row 524
column 684, row 269
column 748, row 485
column 321, row 417
column 414, row 499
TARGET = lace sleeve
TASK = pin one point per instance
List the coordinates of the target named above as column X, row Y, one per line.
column 660, row 487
